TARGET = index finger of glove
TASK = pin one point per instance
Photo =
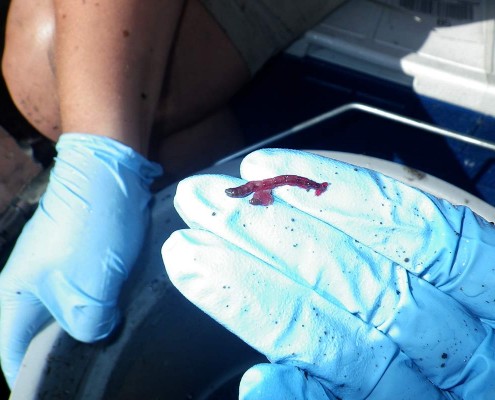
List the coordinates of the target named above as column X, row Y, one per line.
column 449, row 246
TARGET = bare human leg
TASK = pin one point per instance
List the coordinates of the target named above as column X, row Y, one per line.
column 191, row 75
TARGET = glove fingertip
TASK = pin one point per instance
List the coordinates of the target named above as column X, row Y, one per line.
column 22, row 317
column 276, row 381
column 259, row 159
column 261, row 155
column 10, row 369
column 92, row 323
column 200, row 194
column 10, row 376
column 182, row 254
column 172, row 253
column 266, row 163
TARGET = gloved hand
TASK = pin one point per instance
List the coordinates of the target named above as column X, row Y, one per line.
column 74, row 254
column 373, row 289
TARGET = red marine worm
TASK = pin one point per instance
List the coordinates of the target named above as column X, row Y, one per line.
column 263, row 189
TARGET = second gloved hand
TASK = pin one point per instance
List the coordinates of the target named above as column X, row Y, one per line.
column 74, row 254
column 371, row 290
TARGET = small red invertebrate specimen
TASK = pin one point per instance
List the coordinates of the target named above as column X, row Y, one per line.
column 263, row 189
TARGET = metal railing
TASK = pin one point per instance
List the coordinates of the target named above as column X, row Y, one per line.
column 369, row 110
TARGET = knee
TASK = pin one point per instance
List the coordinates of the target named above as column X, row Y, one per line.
column 28, row 36
column 26, row 63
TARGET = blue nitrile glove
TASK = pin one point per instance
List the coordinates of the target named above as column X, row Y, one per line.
column 74, row 254
column 371, row 290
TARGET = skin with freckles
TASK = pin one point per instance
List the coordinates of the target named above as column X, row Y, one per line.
column 122, row 70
